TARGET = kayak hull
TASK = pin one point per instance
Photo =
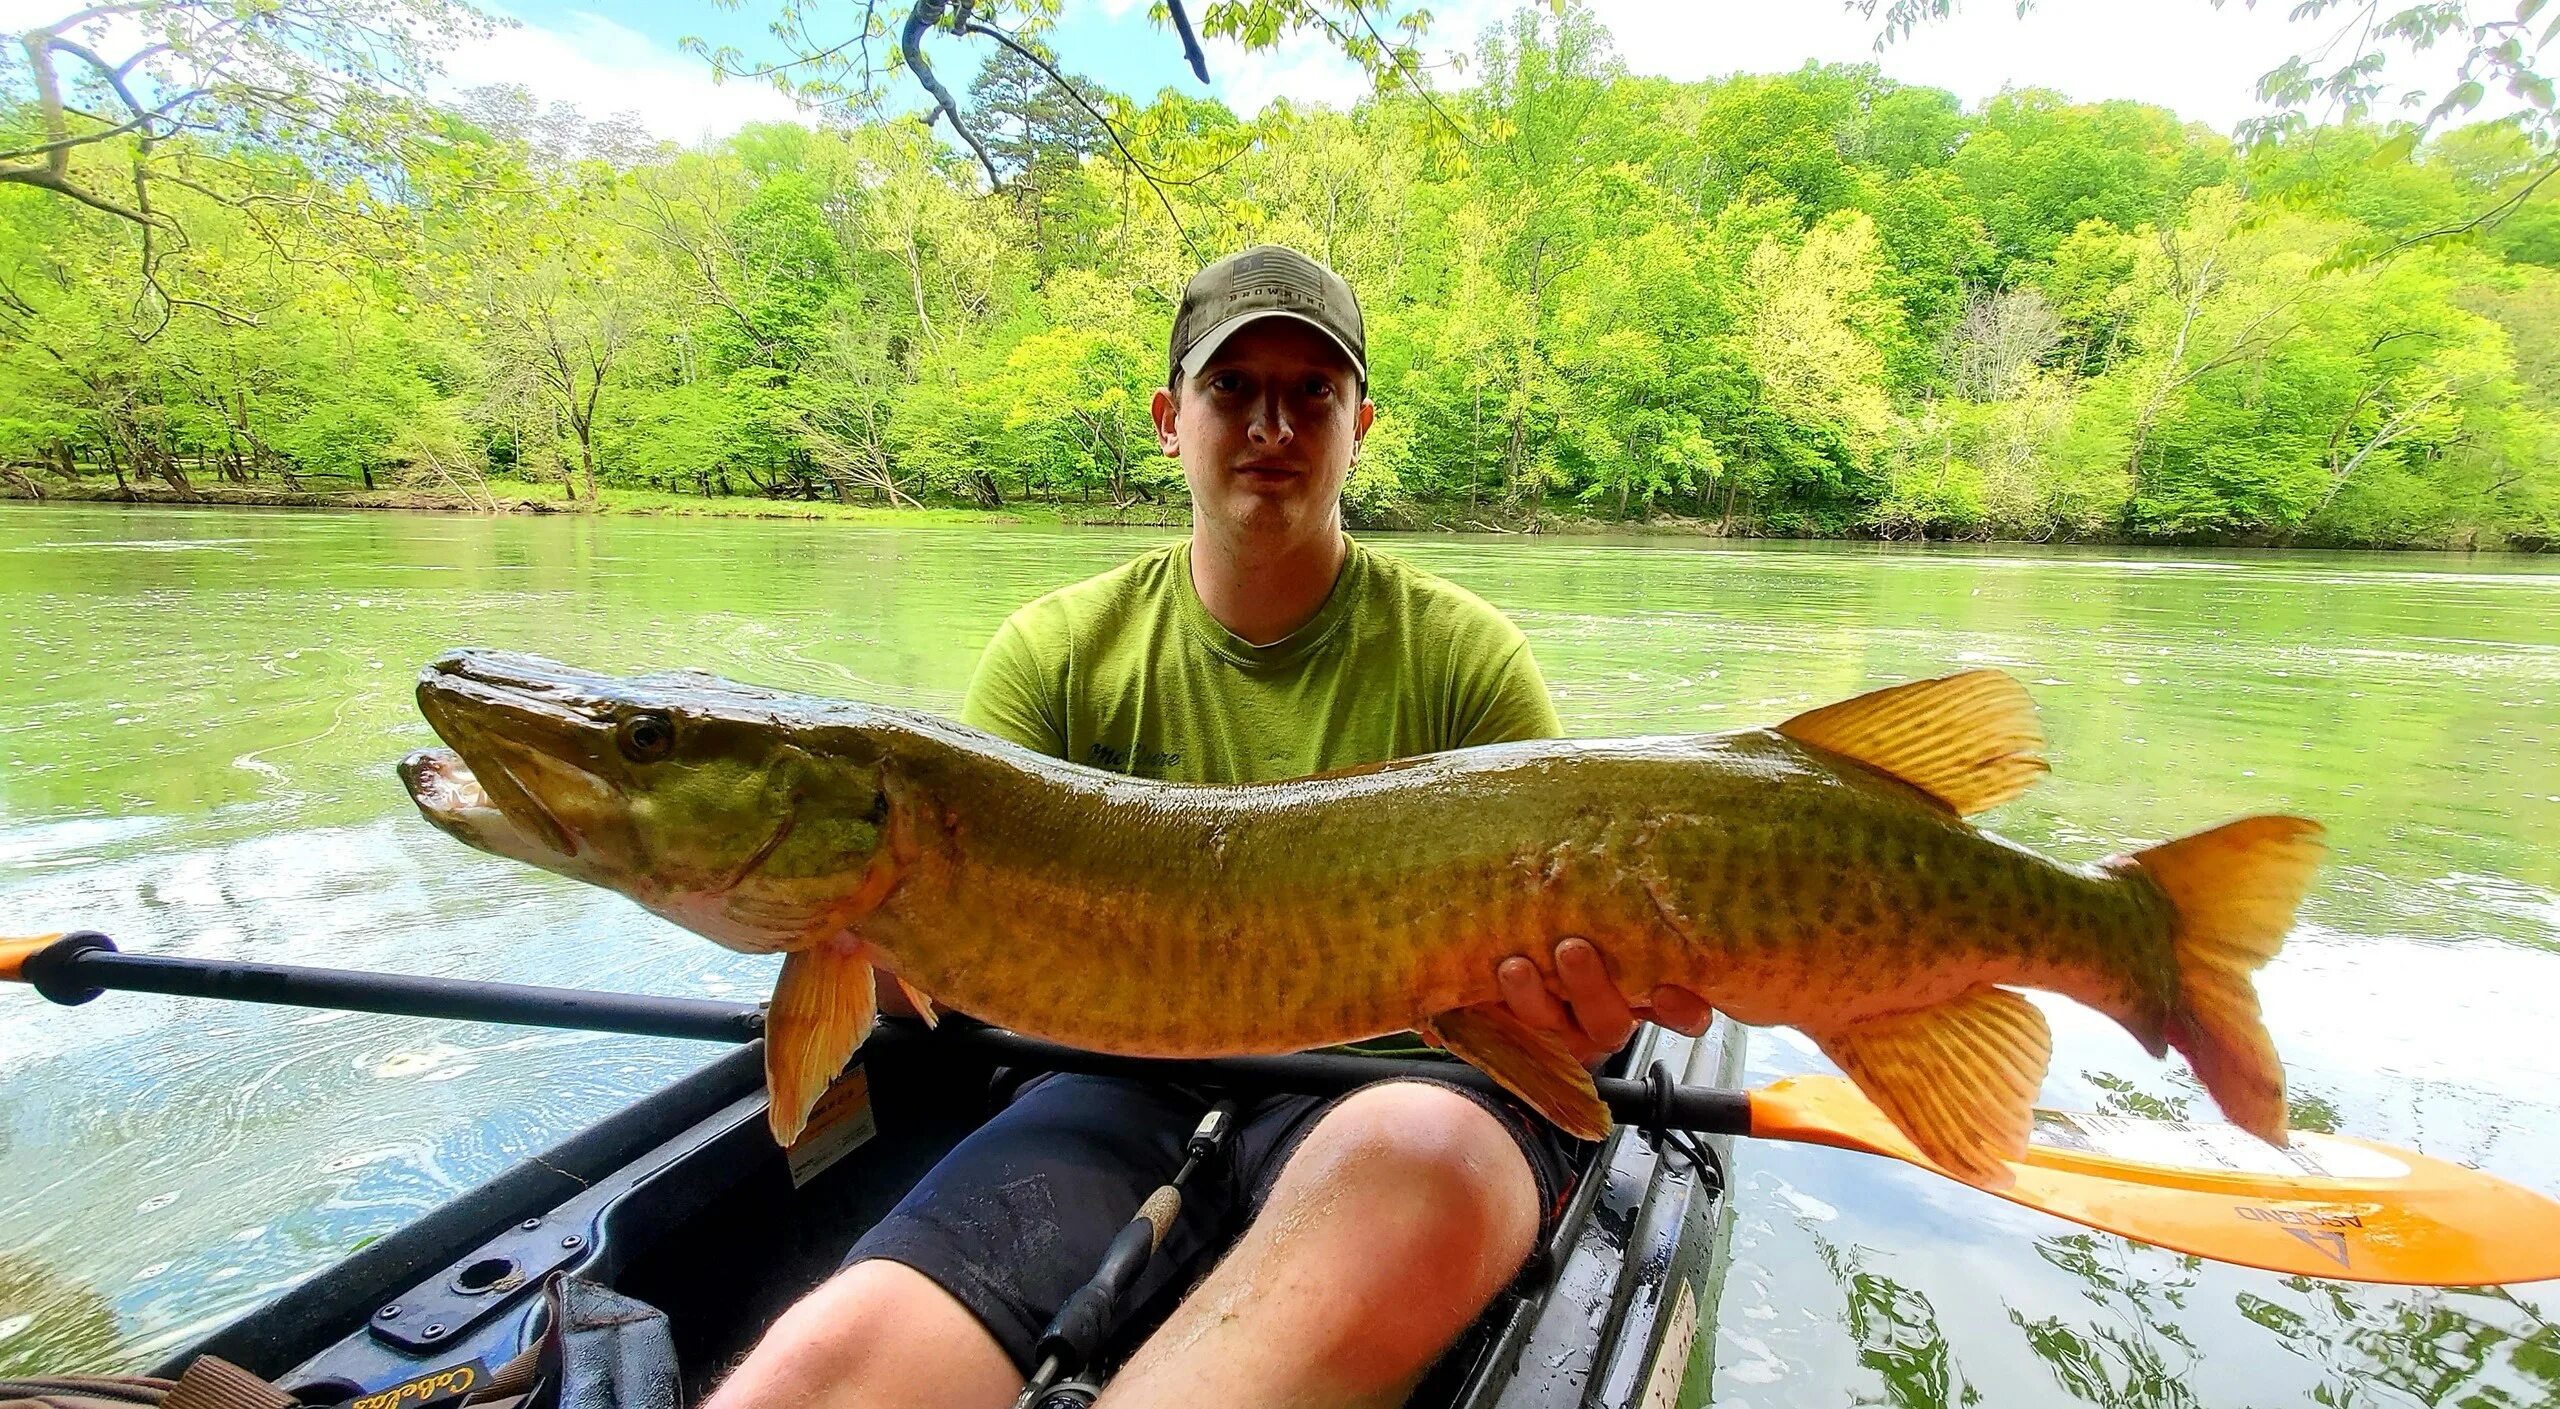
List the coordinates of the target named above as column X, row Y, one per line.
column 681, row 1200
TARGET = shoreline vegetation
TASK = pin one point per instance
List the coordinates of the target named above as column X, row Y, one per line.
column 500, row 497
column 1821, row 304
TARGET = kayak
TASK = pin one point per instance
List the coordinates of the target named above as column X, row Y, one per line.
column 682, row 1201
column 680, row 1213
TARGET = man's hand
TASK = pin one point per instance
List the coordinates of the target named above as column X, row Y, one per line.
column 1593, row 1017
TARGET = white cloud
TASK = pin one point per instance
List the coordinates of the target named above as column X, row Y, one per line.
column 1303, row 68
column 603, row 68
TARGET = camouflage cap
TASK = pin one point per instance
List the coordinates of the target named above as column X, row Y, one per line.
column 1266, row 281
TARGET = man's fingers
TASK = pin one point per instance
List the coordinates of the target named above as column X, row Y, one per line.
column 1599, row 1009
column 1681, row 1010
column 1528, row 996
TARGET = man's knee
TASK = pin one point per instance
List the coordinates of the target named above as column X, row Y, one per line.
column 1430, row 1177
column 863, row 1337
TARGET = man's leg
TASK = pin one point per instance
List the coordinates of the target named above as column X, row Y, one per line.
column 877, row 1335
column 943, row 1300
column 1392, row 1225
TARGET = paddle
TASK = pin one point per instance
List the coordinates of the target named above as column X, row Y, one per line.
column 2326, row 1206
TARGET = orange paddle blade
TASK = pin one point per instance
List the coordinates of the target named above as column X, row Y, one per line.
column 2324, row 1206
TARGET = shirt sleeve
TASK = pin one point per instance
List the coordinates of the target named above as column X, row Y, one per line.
column 1015, row 696
column 1514, row 703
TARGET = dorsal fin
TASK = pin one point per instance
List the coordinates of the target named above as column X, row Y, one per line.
column 1968, row 740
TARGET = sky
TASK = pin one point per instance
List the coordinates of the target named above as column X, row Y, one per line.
column 2185, row 55
column 2203, row 62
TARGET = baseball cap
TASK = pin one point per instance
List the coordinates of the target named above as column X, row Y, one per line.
column 1266, row 281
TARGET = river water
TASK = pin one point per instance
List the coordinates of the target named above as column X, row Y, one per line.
column 199, row 712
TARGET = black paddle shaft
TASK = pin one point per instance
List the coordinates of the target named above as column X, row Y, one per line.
column 82, row 965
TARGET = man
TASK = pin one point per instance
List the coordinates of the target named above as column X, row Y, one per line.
column 1269, row 645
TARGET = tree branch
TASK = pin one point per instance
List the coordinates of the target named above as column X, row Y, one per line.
column 43, row 178
column 1105, row 123
column 911, row 44
column 2486, row 219
column 1190, row 42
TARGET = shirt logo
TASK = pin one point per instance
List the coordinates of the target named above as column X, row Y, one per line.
column 1140, row 761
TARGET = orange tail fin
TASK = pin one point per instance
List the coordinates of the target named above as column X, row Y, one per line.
column 2235, row 888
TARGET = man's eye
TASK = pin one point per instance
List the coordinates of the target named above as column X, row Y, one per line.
column 1319, row 386
column 1227, row 383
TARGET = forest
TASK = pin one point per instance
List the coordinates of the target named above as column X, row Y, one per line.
column 1811, row 303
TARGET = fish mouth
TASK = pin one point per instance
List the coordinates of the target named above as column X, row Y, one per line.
column 450, row 795
column 516, row 729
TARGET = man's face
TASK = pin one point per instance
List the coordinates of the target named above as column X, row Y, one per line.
column 1266, row 429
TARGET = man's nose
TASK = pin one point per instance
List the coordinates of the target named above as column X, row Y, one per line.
column 1270, row 424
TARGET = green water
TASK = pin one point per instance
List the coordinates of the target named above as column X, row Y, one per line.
column 199, row 710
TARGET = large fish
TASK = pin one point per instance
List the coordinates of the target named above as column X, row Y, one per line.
column 1819, row 874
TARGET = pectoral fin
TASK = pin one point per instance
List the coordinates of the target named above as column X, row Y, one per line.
column 923, row 1005
column 1530, row 1064
column 821, row 1011
column 1958, row 1077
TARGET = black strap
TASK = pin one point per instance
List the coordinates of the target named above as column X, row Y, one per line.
column 1658, row 1127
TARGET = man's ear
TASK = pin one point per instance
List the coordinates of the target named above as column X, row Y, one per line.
column 1360, row 423
column 1162, row 407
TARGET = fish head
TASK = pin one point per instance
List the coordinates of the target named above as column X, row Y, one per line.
column 701, row 799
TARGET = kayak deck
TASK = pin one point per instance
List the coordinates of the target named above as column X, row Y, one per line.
column 681, row 1200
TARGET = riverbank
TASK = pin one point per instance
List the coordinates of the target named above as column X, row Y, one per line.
column 525, row 497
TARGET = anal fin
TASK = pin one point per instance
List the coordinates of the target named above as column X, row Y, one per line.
column 1530, row 1064
column 1959, row 1077
column 821, row 1011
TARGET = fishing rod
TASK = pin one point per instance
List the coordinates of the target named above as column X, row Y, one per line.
column 2322, row 1206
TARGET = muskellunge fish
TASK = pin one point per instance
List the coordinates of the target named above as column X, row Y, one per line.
column 1818, row 874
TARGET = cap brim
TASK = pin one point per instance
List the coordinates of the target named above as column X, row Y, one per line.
column 1209, row 343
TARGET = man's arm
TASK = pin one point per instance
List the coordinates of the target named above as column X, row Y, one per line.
column 1015, row 695
column 1509, row 703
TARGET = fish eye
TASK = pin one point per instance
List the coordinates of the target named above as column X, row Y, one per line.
column 646, row 738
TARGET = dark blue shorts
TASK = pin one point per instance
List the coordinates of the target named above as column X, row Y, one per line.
column 1018, row 1215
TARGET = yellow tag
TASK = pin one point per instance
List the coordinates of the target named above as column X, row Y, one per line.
column 840, row 1123
column 433, row 1387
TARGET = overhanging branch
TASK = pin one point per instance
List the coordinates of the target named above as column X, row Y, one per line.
column 911, row 44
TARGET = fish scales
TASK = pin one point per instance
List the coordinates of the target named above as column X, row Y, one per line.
column 1300, row 894
column 1819, row 874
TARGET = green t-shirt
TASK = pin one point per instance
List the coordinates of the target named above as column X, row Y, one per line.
column 1128, row 672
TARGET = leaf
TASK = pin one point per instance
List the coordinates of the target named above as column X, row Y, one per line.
column 2393, row 152
column 2463, row 97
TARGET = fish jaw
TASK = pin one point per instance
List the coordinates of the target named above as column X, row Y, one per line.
column 450, row 795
